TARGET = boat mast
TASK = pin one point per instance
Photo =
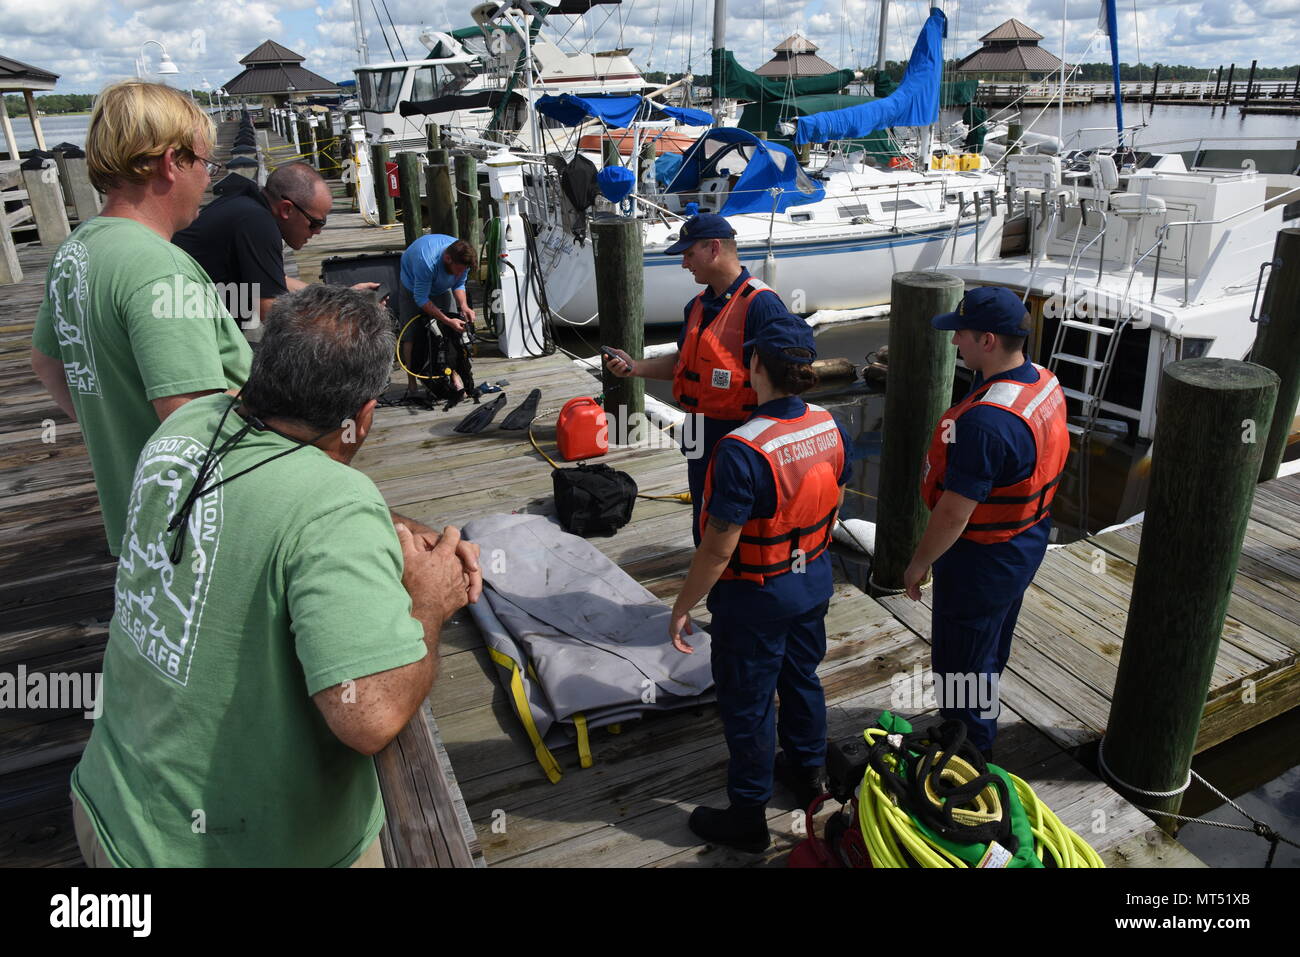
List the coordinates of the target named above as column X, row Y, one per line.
column 363, row 53
column 1112, row 28
column 719, row 42
column 880, row 43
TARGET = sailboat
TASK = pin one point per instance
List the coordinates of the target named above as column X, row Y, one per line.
column 1133, row 259
column 829, row 237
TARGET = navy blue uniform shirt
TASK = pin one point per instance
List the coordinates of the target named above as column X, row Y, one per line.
column 992, row 448
column 744, row 488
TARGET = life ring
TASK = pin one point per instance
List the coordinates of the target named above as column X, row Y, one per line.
column 900, row 162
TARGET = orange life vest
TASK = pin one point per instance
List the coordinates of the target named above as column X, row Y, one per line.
column 806, row 457
column 711, row 377
column 1009, row 509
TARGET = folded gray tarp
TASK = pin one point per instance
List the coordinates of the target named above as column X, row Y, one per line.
column 579, row 643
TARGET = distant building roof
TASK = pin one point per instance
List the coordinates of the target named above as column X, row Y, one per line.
column 273, row 69
column 1011, row 48
column 16, row 75
column 1013, row 29
column 272, row 78
column 272, row 52
column 795, row 57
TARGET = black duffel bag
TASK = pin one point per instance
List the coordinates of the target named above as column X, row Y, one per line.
column 593, row 499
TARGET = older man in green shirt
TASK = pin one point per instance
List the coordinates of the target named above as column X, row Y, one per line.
column 131, row 327
column 272, row 628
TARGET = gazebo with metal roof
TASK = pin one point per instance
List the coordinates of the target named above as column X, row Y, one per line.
column 16, row 76
column 273, row 72
column 1011, row 49
column 796, row 55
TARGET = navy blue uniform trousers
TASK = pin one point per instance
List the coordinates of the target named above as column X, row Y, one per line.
column 751, row 661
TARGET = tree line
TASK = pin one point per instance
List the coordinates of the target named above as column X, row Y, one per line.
column 54, row 103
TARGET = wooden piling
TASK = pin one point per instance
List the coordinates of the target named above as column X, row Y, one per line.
column 467, row 221
column 1218, row 77
column 919, row 391
column 1227, row 90
column 433, row 136
column 383, row 201
column 302, row 138
column 86, row 201
column 645, row 174
column 46, row 200
column 1155, row 79
column 1277, row 344
column 1205, row 461
column 1250, row 81
column 620, row 279
column 1014, row 132
column 442, row 200
column 408, row 173
column 609, row 154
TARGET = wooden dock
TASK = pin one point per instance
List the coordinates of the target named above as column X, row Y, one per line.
column 468, row 766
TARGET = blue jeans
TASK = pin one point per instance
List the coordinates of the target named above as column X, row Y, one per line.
column 750, row 662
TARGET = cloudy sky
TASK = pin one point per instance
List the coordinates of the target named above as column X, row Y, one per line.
column 93, row 42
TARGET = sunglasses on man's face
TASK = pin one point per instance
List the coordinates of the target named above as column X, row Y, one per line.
column 312, row 221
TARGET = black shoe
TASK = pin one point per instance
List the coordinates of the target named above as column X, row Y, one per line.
column 744, row 828
column 807, row 784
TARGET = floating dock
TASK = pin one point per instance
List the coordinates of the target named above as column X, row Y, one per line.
column 461, row 784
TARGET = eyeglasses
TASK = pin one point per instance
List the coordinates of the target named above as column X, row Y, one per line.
column 312, row 221
column 212, row 167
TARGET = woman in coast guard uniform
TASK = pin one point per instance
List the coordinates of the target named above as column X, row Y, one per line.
column 771, row 495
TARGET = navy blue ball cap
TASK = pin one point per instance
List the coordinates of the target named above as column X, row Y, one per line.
column 782, row 333
column 986, row 309
column 703, row 226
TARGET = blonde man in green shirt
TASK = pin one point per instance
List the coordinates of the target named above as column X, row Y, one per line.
column 272, row 628
column 131, row 327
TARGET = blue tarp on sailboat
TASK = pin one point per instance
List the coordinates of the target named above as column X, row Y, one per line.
column 615, row 110
column 914, row 103
column 759, row 168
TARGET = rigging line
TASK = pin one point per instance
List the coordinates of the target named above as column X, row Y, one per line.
column 396, row 36
column 382, row 31
column 1137, row 43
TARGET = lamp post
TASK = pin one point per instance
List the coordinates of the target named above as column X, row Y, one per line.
column 166, row 67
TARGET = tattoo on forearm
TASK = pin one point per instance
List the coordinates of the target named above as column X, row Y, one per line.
column 719, row 524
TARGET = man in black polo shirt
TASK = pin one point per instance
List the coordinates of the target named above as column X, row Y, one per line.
column 237, row 238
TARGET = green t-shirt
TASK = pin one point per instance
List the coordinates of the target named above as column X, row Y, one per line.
column 209, row 750
column 134, row 319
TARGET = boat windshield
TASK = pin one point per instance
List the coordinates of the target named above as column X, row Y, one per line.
column 379, row 89
column 441, row 79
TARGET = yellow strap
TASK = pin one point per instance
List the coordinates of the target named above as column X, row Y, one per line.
column 584, row 745
column 615, row 729
column 525, row 712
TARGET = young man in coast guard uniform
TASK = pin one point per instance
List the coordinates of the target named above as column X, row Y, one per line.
column 989, row 478
column 708, row 371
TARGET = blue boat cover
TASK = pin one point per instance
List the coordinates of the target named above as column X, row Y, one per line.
column 760, row 167
column 615, row 183
column 914, row 103
column 615, row 110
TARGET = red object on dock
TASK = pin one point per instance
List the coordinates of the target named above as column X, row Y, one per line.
column 582, row 431
column 394, row 184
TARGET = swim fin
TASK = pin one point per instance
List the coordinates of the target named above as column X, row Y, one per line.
column 482, row 417
column 522, row 415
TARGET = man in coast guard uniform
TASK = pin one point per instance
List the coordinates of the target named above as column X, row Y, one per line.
column 708, row 371
column 989, row 477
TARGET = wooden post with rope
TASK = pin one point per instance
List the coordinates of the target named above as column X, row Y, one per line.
column 1207, row 450
column 442, row 200
column 467, row 221
column 1277, row 344
column 408, row 173
column 919, row 391
column 620, row 281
